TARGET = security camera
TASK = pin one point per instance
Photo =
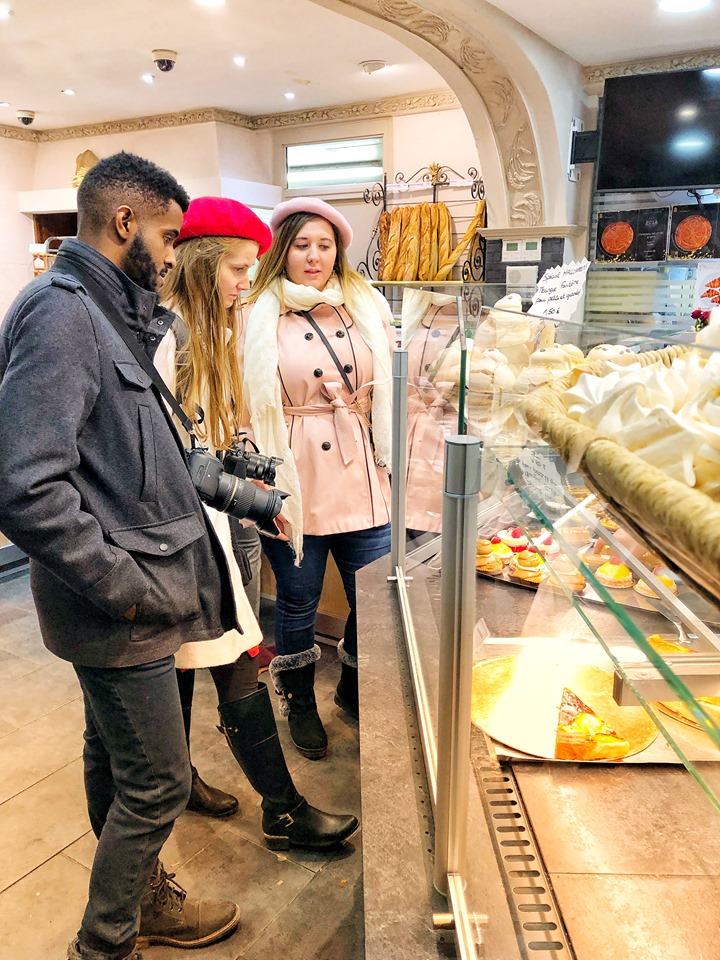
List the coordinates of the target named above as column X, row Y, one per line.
column 164, row 59
column 26, row 117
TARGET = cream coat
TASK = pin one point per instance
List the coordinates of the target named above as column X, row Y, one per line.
column 227, row 648
column 342, row 487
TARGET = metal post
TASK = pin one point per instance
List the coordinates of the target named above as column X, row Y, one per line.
column 457, row 618
column 399, row 461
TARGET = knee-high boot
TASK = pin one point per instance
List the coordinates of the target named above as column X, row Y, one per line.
column 293, row 676
column 288, row 819
column 210, row 801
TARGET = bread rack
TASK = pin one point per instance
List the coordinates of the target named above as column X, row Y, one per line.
column 433, row 178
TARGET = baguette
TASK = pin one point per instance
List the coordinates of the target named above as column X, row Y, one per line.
column 393, row 245
column 446, row 266
column 409, row 265
column 426, row 243
column 383, row 234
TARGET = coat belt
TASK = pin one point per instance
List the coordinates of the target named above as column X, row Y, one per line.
column 340, row 407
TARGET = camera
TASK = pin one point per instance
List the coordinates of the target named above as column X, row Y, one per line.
column 229, row 493
column 250, row 464
column 164, row 59
column 25, row 117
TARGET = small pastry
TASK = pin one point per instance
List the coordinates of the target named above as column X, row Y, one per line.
column 660, row 645
column 483, row 548
column 514, row 538
column 547, row 544
column 528, row 566
column 491, row 565
column 644, row 590
column 614, row 574
column 574, row 354
column 501, row 550
column 594, row 559
column 575, row 534
column 607, row 521
column 565, row 574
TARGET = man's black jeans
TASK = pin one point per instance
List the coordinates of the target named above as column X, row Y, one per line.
column 137, row 781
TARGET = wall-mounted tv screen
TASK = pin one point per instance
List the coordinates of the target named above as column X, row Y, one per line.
column 660, row 131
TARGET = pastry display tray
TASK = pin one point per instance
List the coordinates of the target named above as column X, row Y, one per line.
column 695, row 745
column 626, row 596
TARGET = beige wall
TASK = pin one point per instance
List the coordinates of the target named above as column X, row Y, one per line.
column 17, row 160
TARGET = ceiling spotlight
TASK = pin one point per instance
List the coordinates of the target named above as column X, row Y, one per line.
column 239, row 61
column 682, row 6
column 372, row 66
column 289, row 96
column 68, row 92
column 147, row 78
column 210, row 3
column 4, row 103
column 5, row 11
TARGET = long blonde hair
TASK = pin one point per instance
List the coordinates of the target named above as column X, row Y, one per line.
column 272, row 264
column 207, row 368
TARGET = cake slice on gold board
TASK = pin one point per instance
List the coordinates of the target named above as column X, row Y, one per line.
column 582, row 735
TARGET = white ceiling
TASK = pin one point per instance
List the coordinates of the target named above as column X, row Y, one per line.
column 101, row 50
column 602, row 31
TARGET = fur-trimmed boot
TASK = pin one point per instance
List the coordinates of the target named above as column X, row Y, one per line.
column 293, row 676
column 288, row 819
column 346, row 692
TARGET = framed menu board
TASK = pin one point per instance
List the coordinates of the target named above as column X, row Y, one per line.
column 694, row 232
column 632, row 236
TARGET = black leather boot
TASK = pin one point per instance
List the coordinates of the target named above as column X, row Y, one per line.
column 288, row 819
column 208, row 800
column 294, row 678
column 346, row 693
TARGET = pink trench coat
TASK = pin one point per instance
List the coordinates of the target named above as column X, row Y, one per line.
column 342, row 487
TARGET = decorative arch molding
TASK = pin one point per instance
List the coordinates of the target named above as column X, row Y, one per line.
column 503, row 103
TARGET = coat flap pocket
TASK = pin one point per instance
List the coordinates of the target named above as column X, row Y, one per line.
column 133, row 374
column 160, row 539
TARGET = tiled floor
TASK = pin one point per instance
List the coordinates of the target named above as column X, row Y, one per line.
column 296, row 905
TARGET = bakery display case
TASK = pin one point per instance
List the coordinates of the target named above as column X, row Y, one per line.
column 562, row 627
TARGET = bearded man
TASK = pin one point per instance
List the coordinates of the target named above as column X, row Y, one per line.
column 124, row 566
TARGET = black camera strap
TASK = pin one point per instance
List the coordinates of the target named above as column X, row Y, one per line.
column 336, row 358
column 111, row 314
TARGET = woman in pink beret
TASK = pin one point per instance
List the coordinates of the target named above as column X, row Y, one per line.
column 317, row 387
column 219, row 242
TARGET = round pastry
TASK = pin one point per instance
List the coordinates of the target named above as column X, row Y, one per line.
column 644, row 590
column 514, row 538
column 565, row 574
column 501, row 550
column 573, row 353
column 594, row 559
column 547, row 544
column 491, row 565
column 614, row 574
column 528, row 566
column 607, row 351
column 483, row 548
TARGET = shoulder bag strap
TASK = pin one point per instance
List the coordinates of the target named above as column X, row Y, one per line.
column 328, row 345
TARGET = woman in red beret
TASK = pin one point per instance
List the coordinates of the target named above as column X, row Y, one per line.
column 218, row 244
column 317, row 383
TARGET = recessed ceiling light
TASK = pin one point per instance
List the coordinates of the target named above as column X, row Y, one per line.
column 5, row 11
column 239, row 61
column 687, row 113
column 4, row 103
column 69, row 92
column 289, row 96
column 147, row 78
column 372, row 66
column 682, row 6
column 210, row 3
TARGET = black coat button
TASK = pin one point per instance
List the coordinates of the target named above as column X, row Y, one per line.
column 309, row 336
column 340, row 333
column 348, row 368
column 326, row 445
column 317, row 372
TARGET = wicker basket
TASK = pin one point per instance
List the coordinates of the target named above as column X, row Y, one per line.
column 681, row 524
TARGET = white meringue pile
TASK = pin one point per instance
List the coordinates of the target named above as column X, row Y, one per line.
column 667, row 416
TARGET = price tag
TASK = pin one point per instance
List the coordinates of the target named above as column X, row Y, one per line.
column 541, row 476
column 560, row 289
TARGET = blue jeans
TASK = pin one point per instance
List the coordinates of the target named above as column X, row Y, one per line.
column 137, row 781
column 299, row 588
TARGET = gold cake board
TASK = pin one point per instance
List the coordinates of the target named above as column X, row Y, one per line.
column 516, row 699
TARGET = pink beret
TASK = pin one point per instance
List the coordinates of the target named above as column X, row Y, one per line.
column 313, row 205
column 222, row 217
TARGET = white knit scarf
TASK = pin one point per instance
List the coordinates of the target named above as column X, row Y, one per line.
column 261, row 383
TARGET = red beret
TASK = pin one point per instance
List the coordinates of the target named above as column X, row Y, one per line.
column 223, row 217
